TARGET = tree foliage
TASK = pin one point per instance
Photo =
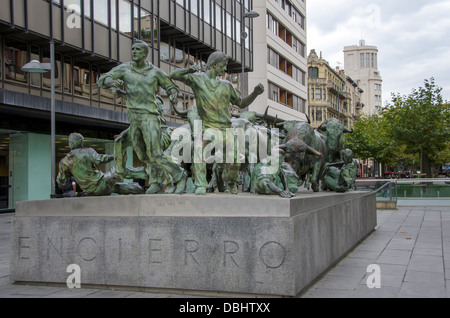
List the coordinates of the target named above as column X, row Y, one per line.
column 370, row 139
column 421, row 122
column 418, row 123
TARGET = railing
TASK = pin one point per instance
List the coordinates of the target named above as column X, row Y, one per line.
column 391, row 193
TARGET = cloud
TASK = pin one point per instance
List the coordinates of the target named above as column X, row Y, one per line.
column 411, row 37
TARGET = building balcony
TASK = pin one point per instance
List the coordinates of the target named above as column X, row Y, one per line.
column 319, row 81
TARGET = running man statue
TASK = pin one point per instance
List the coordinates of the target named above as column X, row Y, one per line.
column 141, row 80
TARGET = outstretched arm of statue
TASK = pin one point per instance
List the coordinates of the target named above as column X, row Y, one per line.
column 259, row 89
column 282, row 193
column 284, row 179
column 179, row 74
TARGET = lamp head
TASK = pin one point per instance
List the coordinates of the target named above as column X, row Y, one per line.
column 36, row 67
column 251, row 14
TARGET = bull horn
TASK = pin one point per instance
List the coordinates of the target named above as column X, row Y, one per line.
column 179, row 112
column 312, row 151
column 309, row 119
column 275, row 121
column 322, row 127
column 348, row 131
column 266, row 113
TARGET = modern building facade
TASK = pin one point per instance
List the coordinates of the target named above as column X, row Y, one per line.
column 332, row 94
column 91, row 37
column 361, row 64
column 280, row 62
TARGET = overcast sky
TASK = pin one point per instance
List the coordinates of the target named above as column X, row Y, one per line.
column 412, row 36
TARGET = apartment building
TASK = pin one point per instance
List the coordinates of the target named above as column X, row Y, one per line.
column 280, row 62
column 361, row 64
column 332, row 93
column 90, row 37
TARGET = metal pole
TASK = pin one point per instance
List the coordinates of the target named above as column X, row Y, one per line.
column 52, row 117
column 242, row 49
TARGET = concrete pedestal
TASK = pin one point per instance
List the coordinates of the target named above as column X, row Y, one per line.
column 222, row 243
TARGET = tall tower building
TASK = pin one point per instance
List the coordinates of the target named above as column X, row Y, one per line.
column 280, row 61
column 361, row 64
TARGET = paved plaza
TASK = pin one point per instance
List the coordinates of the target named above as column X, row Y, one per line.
column 410, row 248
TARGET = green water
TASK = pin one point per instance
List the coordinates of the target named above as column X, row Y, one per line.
column 423, row 190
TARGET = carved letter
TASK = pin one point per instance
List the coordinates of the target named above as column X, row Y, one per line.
column 24, row 250
column 87, row 249
column 272, row 254
column 190, row 247
column 230, row 248
column 151, row 250
column 50, row 244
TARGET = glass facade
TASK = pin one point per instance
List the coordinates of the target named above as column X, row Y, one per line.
column 91, row 37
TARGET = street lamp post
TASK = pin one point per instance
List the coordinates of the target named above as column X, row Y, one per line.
column 244, row 35
column 40, row 68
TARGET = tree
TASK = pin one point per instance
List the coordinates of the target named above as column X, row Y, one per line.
column 371, row 139
column 421, row 122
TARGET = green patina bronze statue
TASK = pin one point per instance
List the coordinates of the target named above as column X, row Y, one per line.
column 213, row 97
column 340, row 176
column 279, row 182
column 307, row 154
column 81, row 164
column 142, row 80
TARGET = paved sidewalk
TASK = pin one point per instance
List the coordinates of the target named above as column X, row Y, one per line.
column 411, row 246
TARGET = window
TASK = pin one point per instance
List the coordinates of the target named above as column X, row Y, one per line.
column 206, row 11
column 298, row 46
column 194, row 7
column 35, row 79
column 318, row 92
column 229, row 25
column 81, row 79
column 361, row 63
column 274, row 92
column 299, row 104
column 218, row 17
column 319, row 115
column 272, row 24
column 272, row 57
column 46, row 77
column 313, row 72
column 16, row 56
column 101, row 11
column 125, row 16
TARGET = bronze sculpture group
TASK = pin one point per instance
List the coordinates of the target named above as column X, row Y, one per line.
column 301, row 156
